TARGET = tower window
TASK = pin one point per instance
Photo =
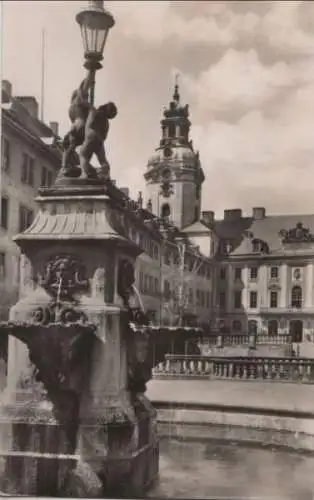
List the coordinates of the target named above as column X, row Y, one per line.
column 171, row 130
column 165, row 211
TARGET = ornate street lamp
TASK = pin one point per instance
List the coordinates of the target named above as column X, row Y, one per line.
column 95, row 23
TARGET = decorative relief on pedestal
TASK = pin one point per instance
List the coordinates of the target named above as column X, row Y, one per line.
column 55, row 312
column 298, row 234
column 64, row 277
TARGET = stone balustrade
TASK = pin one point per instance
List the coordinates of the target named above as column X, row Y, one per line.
column 244, row 368
column 243, row 339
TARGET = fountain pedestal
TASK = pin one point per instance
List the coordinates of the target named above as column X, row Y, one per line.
column 88, row 414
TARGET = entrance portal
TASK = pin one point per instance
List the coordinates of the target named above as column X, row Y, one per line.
column 296, row 330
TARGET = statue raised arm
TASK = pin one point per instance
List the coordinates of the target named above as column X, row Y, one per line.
column 78, row 113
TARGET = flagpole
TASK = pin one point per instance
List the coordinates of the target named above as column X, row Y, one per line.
column 42, row 97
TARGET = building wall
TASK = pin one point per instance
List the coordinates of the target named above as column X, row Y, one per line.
column 296, row 271
column 18, row 193
column 157, row 269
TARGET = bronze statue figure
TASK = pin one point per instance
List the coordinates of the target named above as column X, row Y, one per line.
column 78, row 113
column 89, row 129
column 96, row 131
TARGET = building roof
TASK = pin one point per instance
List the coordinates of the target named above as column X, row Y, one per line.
column 196, row 227
column 283, row 234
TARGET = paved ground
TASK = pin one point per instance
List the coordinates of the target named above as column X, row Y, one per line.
column 275, row 395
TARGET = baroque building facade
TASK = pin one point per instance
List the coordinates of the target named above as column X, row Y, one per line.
column 260, row 274
column 264, row 280
column 30, row 158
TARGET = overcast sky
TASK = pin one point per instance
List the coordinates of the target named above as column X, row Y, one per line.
column 247, row 71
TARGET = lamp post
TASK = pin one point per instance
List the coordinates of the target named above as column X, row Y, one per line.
column 95, row 23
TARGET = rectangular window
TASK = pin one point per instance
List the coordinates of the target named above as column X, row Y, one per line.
column 253, row 300
column 44, row 176
column 223, row 273
column 31, row 168
column 27, row 170
column 151, row 285
column 208, row 300
column 253, row 273
column 167, row 257
column 26, row 217
column 273, row 299
column 191, row 298
column 237, row 299
column 274, row 272
column 238, row 273
column 6, row 150
column 4, row 212
column 222, row 300
column 24, row 168
column 2, row 265
column 166, row 290
column 156, row 252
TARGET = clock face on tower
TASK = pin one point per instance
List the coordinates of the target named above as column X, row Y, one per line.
column 166, row 173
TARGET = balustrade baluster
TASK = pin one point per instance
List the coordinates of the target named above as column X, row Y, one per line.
column 192, row 367
column 307, row 371
column 237, row 370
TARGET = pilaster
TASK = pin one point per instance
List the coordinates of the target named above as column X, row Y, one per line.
column 309, row 285
column 284, row 286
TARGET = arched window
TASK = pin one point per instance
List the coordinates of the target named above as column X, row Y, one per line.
column 272, row 327
column 252, row 327
column 171, row 130
column 296, row 296
column 237, row 326
column 165, row 211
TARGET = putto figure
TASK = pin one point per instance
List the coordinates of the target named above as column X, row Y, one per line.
column 96, row 131
column 89, row 129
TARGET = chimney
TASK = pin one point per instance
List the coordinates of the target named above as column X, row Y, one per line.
column 54, row 127
column 258, row 213
column 233, row 214
column 208, row 216
column 125, row 191
column 30, row 104
column 6, row 88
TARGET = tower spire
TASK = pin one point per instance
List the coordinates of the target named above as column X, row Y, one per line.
column 176, row 95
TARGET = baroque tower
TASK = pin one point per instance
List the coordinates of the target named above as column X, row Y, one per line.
column 174, row 174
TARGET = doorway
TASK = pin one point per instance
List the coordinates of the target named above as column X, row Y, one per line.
column 296, row 330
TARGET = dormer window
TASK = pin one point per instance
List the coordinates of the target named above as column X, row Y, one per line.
column 225, row 247
column 256, row 246
column 259, row 246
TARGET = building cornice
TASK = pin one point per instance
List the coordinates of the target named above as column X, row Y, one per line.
column 258, row 258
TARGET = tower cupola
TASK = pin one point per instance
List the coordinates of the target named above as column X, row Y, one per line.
column 174, row 174
column 175, row 124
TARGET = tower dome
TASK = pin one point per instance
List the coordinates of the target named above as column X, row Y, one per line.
column 175, row 163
